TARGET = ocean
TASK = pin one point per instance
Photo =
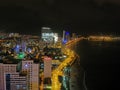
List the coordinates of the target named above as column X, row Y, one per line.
column 101, row 64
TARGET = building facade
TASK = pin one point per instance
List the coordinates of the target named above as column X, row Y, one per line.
column 27, row 78
column 32, row 70
column 10, row 79
column 47, row 67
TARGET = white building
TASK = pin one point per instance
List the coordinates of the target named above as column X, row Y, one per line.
column 10, row 79
column 26, row 79
column 47, row 67
column 48, row 35
column 32, row 70
column 17, row 82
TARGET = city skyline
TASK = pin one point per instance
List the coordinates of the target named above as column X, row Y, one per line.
column 59, row 44
column 30, row 63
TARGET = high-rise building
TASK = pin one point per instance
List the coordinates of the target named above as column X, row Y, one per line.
column 15, row 81
column 10, row 79
column 66, row 36
column 24, row 78
column 32, row 70
column 48, row 35
column 47, row 67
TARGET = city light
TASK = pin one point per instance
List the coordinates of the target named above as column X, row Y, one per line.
column 52, row 60
column 21, row 55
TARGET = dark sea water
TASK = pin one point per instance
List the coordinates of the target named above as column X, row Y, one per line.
column 101, row 63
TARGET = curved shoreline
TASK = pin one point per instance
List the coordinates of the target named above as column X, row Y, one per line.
column 56, row 85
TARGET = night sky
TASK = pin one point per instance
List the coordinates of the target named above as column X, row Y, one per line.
column 80, row 16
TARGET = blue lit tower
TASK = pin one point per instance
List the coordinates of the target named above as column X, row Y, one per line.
column 66, row 36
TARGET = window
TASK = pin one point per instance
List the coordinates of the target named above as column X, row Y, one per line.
column 7, row 81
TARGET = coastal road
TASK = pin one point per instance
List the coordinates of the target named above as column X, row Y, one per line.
column 56, row 85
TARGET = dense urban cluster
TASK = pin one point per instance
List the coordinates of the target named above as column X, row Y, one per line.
column 31, row 48
column 24, row 59
column 30, row 62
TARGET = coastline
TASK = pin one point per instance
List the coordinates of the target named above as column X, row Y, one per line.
column 77, row 77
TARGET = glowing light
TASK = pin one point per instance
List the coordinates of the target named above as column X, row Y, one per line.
column 21, row 55
column 17, row 46
column 46, row 28
column 49, row 87
column 64, row 41
column 55, row 37
column 66, row 33
column 29, row 50
column 26, row 65
column 64, row 56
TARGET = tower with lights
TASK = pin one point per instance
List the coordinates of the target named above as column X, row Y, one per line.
column 66, row 36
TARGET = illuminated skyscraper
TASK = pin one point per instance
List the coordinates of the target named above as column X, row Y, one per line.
column 66, row 36
column 48, row 35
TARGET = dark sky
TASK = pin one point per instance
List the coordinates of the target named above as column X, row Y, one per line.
column 73, row 15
